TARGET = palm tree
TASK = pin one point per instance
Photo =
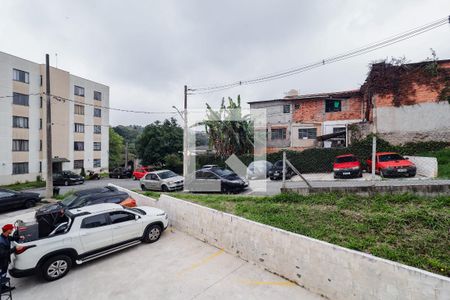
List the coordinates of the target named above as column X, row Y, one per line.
column 229, row 132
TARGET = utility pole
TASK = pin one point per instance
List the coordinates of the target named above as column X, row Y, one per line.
column 185, row 139
column 49, row 179
column 374, row 137
column 126, row 155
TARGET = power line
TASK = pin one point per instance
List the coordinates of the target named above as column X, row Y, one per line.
column 355, row 52
column 59, row 98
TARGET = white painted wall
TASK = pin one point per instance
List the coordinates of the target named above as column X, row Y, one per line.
column 426, row 166
column 326, row 269
column 431, row 116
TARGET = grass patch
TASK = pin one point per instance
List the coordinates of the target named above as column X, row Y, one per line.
column 406, row 228
column 24, row 185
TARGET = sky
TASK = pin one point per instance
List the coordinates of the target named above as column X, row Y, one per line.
column 146, row 51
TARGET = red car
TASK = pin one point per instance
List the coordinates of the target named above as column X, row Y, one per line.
column 140, row 172
column 392, row 164
column 347, row 166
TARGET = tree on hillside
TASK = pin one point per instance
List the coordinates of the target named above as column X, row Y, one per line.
column 228, row 130
column 158, row 140
column 116, row 149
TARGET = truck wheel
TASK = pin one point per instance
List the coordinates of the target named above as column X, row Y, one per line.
column 143, row 187
column 152, row 233
column 56, row 267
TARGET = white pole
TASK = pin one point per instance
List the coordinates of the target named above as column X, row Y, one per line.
column 284, row 170
column 374, row 137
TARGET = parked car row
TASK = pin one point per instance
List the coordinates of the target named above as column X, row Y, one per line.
column 84, row 226
column 387, row 164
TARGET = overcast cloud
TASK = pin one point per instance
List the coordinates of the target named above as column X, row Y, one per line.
column 147, row 50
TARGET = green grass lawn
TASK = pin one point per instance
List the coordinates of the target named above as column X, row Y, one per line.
column 24, row 185
column 405, row 228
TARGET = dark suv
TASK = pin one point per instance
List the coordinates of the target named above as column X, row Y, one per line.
column 276, row 172
column 120, row 173
column 49, row 215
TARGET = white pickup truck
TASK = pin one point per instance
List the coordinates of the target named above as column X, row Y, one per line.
column 88, row 233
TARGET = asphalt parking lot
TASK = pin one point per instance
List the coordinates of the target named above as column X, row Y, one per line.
column 176, row 267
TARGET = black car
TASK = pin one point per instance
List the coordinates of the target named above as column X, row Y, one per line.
column 216, row 179
column 12, row 199
column 67, row 178
column 276, row 172
column 120, row 173
column 50, row 215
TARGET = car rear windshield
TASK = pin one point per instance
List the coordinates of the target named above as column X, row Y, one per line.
column 390, row 157
column 345, row 159
column 166, row 174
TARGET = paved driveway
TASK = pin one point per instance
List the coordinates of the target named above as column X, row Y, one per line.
column 176, row 267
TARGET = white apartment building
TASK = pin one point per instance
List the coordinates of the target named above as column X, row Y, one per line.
column 80, row 133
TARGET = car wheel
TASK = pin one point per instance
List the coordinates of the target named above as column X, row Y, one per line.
column 143, row 187
column 66, row 183
column 56, row 267
column 29, row 204
column 164, row 188
column 152, row 233
column 382, row 174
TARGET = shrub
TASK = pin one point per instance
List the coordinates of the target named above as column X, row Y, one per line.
column 174, row 163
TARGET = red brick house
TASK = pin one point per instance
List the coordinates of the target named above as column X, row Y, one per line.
column 411, row 103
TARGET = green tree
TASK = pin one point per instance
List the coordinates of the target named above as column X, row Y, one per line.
column 116, row 149
column 158, row 140
column 228, row 130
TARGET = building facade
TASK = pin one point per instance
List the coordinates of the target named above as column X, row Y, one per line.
column 406, row 103
column 80, row 137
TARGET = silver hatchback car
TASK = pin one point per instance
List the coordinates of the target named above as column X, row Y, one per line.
column 163, row 180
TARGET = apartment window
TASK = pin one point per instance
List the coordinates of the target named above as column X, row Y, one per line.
column 97, row 163
column 78, row 146
column 20, row 99
column 286, row 108
column 307, row 133
column 97, row 146
column 79, row 91
column 79, row 127
column 97, row 112
column 20, row 145
column 278, row 134
column 333, row 105
column 78, row 164
column 40, row 145
column 41, row 83
column 40, row 123
column 21, row 76
column 20, row 122
column 40, row 167
column 79, row 109
column 297, row 106
column 40, row 101
column 20, row 168
column 97, row 129
column 97, row 96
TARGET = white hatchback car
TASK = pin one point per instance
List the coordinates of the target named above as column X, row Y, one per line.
column 88, row 233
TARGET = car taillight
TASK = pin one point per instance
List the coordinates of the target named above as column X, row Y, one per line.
column 25, row 248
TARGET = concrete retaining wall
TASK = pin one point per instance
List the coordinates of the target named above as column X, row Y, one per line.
column 426, row 166
column 329, row 270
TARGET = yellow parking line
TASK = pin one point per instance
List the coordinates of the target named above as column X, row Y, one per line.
column 202, row 262
column 279, row 283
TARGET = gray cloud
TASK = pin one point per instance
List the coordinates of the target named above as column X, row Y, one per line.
column 147, row 50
